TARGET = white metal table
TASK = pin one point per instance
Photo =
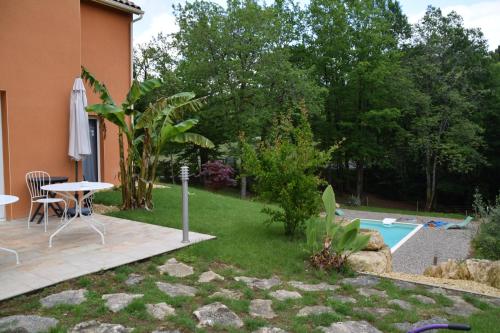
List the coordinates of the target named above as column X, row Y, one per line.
column 70, row 191
column 6, row 200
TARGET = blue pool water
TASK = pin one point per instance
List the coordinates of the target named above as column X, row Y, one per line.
column 392, row 234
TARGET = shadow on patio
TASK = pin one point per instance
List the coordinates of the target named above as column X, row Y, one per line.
column 78, row 250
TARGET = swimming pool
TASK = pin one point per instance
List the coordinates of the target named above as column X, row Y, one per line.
column 394, row 235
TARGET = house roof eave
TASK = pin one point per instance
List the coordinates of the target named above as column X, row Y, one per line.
column 125, row 6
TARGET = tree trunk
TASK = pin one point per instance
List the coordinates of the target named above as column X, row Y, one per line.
column 124, row 177
column 359, row 179
column 430, row 173
column 243, row 187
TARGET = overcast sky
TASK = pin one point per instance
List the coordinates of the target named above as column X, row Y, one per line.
column 484, row 14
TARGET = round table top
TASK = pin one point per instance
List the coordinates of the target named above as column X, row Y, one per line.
column 7, row 199
column 77, row 186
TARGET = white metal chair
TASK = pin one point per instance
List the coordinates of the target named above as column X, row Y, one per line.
column 35, row 180
column 88, row 211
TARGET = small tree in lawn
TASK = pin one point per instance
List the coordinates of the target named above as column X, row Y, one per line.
column 286, row 170
column 218, row 175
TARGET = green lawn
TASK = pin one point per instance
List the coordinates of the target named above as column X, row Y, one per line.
column 405, row 212
column 244, row 246
column 243, row 239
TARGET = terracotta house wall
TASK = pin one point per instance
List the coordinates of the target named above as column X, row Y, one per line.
column 42, row 46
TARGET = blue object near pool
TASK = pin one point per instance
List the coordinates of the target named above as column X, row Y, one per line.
column 395, row 234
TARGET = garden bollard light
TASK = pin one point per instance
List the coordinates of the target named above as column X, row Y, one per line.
column 185, row 206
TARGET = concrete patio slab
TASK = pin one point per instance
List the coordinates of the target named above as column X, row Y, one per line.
column 78, row 250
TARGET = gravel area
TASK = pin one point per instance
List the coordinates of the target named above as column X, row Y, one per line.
column 418, row 252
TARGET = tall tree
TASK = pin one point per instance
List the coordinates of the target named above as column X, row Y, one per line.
column 446, row 62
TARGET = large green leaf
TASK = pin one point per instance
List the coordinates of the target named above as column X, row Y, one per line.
column 137, row 90
column 329, row 203
column 110, row 112
column 97, row 86
column 193, row 138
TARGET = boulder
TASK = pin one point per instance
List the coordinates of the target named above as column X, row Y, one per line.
column 372, row 261
column 160, row 310
column 116, row 302
column 482, row 271
column 176, row 289
column 262, row 308
column 376, row 241
column 177, row 269
column 283, row 295
column 209, row 276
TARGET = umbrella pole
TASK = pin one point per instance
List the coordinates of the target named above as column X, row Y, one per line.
column 76, row 179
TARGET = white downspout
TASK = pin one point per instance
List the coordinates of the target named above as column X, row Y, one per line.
column 132, row 45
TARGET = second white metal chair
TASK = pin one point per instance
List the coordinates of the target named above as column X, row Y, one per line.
column 35, row 180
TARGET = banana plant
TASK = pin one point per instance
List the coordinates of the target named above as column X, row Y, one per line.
column 146, row 132
column 331, row 242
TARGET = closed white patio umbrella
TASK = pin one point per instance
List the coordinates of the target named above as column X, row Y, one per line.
column 79, row 137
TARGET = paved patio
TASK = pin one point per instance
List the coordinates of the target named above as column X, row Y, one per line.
column 78, row 251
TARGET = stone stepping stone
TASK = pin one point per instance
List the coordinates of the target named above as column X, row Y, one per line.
column 369, row 292
column 262, row 308
column 116, row 302
column 264, row 284
column 343, row 299
column 402, row 304
column 169, row 331
column 160, row 310
column 226, row 293
column 94, row 326
column 134, row 279
column 362, row 281
column 27, row 324
column 460, row 307
column 269, row 330
column 217, row 314
column 176, row 289
column 406, row 326
column 67, row 297
column 424, row 299
column 283, row 295
column 313, row 287
column 210, row 276
column 377, row 312
column 177, row 269
column 314, row 310
column 350, row 327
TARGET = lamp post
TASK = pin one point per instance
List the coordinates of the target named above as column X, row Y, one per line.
column 185, row 205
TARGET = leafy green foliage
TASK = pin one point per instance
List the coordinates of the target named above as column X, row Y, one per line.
column 286, row 171
column 486, row 243
column 330, row 243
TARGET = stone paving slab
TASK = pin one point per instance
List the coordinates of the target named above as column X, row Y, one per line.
column 78, row 251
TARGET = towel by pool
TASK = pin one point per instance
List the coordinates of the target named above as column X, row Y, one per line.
column 435, row 224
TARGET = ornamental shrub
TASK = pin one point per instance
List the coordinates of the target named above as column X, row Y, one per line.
column 286, row 167
column 486, row 243
column 218, row 175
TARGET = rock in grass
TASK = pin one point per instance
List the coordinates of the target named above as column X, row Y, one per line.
column 210, row 276
column 263, row 284
column 116, row 302
column 262, row 308
column 406, row 326
column 67, row 297
column 369, row 292
column 314, row 310
column 226, row 293
column 176, row 289
column 160, row 310
column 169, row 331
column 94, row 326
column 424, row 299
column 269, row 330
column 283, row 295
column 377, row 312
column 313, row 287
column 362, row 281
column 350, row 327
column 134, row 279
column 402, row 304
column 343, row 299
column 174, row 268
column 460, row 307
column 404, row 284
column 27, row 324
column 217, row 314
